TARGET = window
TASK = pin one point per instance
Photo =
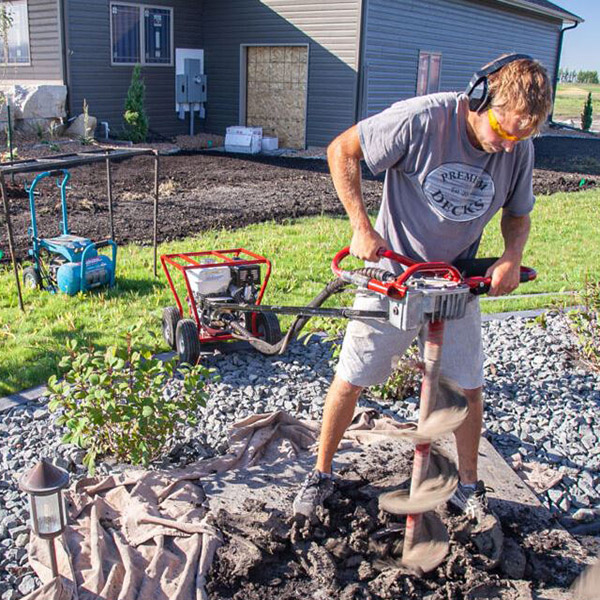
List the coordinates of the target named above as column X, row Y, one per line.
column 428, row 77
column 133, row 25
column 15, row 48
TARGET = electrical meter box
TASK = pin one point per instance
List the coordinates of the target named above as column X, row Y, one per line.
column 191, row 85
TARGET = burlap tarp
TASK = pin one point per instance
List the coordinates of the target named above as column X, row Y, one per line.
column 149, row 534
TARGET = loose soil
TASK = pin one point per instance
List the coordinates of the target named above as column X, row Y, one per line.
column 200, row 191
column 353, row 550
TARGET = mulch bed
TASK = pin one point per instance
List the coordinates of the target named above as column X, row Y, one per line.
column 214, row 190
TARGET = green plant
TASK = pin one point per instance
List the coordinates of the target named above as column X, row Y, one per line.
column 39, row 132
column 113, row 402
column 88, row 135
column 136, row 121
column 404, row 380
column 585, row 322
column 586, row 115
column 9, row 154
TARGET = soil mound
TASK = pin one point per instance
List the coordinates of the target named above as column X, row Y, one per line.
column 353, row 550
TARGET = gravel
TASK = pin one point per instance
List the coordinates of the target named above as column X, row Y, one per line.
column 540, row 403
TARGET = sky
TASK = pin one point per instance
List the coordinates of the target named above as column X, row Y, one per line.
column 581, row 46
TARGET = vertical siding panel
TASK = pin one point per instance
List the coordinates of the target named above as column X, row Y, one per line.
column 331, row 30
column 468, row 33
column 44, row 46
column 105, row 86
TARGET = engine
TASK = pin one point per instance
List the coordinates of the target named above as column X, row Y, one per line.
column 223, row 284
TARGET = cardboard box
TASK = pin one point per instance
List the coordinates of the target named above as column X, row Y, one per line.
column 269, row 143
column 246, row 140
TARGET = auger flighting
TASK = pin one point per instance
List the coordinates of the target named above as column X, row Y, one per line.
column 442, row 410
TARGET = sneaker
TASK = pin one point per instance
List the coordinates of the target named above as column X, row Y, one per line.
column 472, row 501
column 317, row 487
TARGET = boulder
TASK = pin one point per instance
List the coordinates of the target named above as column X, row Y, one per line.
column 77, row 128
column 34, row 106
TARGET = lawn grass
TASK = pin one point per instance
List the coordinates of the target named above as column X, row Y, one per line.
column 570, row 98
column 564, row 247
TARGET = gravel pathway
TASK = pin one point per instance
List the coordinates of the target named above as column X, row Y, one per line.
column 539, row 403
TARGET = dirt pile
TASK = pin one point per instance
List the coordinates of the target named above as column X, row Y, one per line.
column 353, row 550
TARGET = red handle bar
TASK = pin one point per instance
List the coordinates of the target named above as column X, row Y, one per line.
column 478, row 284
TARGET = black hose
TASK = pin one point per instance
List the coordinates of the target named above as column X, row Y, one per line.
column 335, row 286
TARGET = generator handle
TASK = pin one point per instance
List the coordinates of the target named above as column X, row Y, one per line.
column 32, row 194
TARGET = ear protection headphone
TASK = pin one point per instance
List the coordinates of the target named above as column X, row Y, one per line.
column 477, row 90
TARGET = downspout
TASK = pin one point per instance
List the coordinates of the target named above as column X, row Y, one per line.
column 360, row 82
column 556, row 67
column 62, row 10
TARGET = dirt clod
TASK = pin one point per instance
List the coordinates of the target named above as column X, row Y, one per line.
column 354, row 550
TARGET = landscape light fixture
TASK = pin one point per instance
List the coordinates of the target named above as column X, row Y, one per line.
column 44, row 483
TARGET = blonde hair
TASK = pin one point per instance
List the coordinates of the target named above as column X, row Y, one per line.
column 522, row 87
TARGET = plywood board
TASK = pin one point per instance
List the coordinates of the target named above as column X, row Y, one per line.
column 276, row 92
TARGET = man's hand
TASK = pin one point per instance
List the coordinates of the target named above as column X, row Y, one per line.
column 366, row 243
column 505, row 274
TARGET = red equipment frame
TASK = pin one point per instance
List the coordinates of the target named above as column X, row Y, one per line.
column 186, row 261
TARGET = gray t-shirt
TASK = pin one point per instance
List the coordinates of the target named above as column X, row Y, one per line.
column 440, row 191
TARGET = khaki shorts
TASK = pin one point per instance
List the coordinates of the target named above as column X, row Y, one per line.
column 372, row 347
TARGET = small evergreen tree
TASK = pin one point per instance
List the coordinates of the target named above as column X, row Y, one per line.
column 586, row 115
column 136, row 121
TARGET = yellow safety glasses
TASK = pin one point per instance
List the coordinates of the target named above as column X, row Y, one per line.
column 497, row 128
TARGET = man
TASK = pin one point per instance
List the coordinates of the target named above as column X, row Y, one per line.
column 451, row 161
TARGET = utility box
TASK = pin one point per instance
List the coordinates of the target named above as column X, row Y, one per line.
column 191, row 85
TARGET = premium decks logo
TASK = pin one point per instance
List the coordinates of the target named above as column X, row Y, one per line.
column 459, row 192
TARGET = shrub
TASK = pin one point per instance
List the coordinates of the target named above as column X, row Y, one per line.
column 404, row 380
column 114, row 402
column 136, row 121
column 586, row 325
column 586, row 115
column 88, row 135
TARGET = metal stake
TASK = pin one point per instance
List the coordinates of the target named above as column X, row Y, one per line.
column 155, row 226
column 11, row 242
column 53, row 561
column 110, row 197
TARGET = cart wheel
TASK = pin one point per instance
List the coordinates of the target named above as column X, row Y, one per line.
column 31, row 278
column 267, row 326
column 170, row 318
column 186, row 341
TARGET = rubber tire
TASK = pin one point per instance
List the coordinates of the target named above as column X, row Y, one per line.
column 170, row 319
column 268, row 328
column 32, row 279
column 187, row 342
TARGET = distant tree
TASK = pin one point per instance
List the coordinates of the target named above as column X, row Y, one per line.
column 587, row 77
column 586, row 115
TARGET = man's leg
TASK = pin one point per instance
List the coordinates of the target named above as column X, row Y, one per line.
column 467, row 437
column 337, row 415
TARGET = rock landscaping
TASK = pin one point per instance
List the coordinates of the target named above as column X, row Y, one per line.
column 541, row 415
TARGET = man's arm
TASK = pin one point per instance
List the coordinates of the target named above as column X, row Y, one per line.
column 505, row 272
column 344, row 155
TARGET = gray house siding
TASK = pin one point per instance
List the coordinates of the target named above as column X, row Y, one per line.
column 92, row 77
column 44, row 46
column 468, row 34
column 329, row 28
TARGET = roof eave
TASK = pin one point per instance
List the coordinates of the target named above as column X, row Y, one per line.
column 563, row 15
